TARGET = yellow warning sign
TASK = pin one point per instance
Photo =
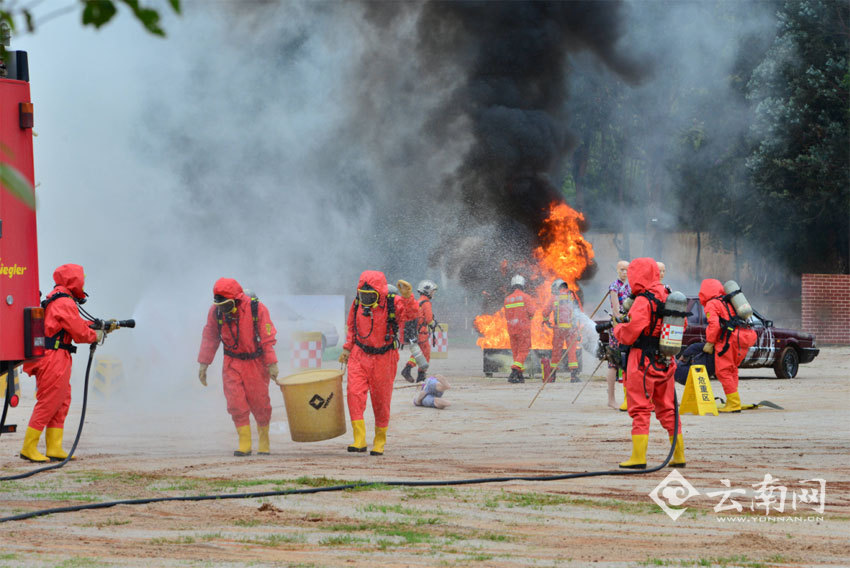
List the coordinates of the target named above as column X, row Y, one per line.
column 108, row 376
column 698, row 398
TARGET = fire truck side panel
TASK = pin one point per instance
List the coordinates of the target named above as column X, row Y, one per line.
column 18, row 243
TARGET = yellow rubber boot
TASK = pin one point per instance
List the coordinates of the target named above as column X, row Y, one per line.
column 359, row 429
column 244, row 441
column 638, row 459
column 30, row 451
column 263, row 446
column 678, row 459
column 53, row 437
column 625, row 406
column 733, row 403
column 380, row 440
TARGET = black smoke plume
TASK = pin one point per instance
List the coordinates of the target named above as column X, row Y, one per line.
column 509, row 61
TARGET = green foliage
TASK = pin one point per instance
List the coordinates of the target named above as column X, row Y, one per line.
column 801, row 165
column 17, row 184
column 96, row 13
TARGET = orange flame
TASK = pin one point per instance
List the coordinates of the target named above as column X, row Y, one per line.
column 563, row 253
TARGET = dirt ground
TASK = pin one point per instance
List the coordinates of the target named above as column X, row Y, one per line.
column 155, row 451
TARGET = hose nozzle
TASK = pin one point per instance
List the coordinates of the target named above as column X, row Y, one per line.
column 112, row 324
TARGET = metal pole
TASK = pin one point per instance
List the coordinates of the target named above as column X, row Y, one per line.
column 588, row 380
column 600, row 303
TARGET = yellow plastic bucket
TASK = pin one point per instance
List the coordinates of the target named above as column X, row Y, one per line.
column 314, row 405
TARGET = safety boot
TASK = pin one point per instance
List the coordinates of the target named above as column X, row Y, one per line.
column 380, row 440
column 574, row 378
column 625, row 406
column 405, row 372
column 512, row 376
column 358, row 427
column 244, row 441
column 678, row 459
column 30, row 452
column 519, row 377
column 638, row 459
column 733, row 403
column 263, row 445
column 53, row 437
column 420, row 377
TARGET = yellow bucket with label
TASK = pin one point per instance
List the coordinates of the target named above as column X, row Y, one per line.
column 314, row 404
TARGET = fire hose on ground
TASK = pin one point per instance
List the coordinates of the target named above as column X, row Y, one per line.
column 96, row 324
column 346, row 486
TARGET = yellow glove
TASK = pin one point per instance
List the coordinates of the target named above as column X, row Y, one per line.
column 273, row 371
column 343, row 357
column 404, row 288
column 100, row 333
column 708, row 347
column 202, row 374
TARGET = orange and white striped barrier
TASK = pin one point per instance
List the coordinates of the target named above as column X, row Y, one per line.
column 307, row 350
column 441, row 335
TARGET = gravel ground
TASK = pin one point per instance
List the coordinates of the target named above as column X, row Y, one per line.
column 178, row 441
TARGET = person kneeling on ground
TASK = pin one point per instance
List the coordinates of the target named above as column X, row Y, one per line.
column 694, row 354
column 431, row 393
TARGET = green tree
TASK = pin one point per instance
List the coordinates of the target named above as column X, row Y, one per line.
column 800, row 164
column 95, row 13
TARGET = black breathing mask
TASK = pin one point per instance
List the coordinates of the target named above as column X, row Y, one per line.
column 368, row 299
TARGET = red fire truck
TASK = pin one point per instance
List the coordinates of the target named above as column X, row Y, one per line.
column 21, row 318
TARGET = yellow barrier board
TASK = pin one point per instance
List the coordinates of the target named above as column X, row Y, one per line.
column 108, row 375
column 17, row 385
column 698, row 398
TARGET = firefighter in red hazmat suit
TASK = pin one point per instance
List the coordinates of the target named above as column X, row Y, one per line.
column 519, row 309
column 425, row 325
column 62, row 325
column 243, row 326
column 649, row 377
column 565, row 335
column 728, row 336
column 371, row 352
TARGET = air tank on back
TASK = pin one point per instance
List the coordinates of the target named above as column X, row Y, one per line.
column 673, row 324
column 738, row 300
column 627, row 304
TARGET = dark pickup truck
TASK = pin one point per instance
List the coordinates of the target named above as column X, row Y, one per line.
column 782, row 349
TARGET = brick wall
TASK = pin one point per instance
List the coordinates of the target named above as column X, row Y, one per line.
column 826, row 307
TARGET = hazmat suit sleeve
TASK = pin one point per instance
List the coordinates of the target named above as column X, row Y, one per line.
column 406, row 309
column 640, row 315
column 349, row 328
column 713, row 311
column 209, row 339
column 426, row 313
column 530, row 306
column 268, row 334
column 547, row 310
column 66, row 313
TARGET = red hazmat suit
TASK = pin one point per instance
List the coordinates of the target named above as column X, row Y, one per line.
column 519, row 309
column 245, row 375
column 53, row 370
column 660, row 386
column 424, row 319
column 372, row 374
column 564, row 330
column 739, row 340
